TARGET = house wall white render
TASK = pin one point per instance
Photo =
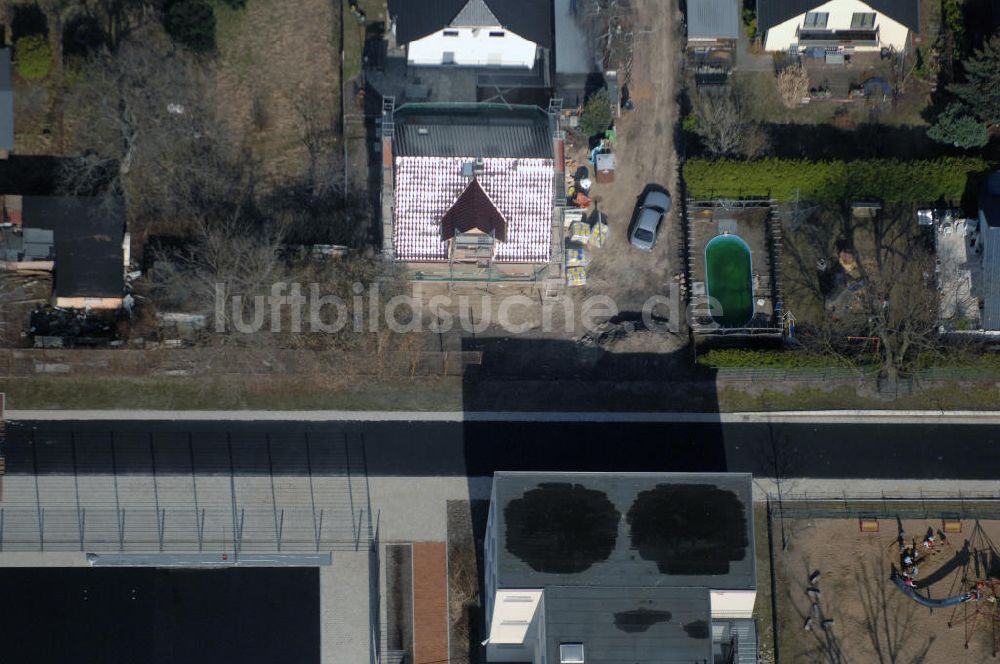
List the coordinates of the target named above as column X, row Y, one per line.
column 891, row 33
column 473, row 47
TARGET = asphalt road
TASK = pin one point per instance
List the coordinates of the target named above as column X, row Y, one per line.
column 473, row 449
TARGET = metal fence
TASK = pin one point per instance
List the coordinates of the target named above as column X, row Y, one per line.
column 139, row 493
column 751, row 375
column 930, row 505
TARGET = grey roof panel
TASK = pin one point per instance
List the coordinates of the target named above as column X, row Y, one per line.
column 625, row 626
column 989, row 206
column 773, row 12
column 624, row 529
column 531, row 19
column 475, row 13
column 6, row 102
column 471, row 130
column 713, row 19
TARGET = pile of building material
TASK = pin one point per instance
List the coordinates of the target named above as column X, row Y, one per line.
column 582, row 234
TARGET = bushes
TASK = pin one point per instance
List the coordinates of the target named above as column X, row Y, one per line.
column 596, row 116
column 192, row 23
column 956, row 126
column 888, row 180
column 82, row 37
column 33, row 57
column 738, row 358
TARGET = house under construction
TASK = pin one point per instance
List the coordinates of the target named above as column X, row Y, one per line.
column 473, row 192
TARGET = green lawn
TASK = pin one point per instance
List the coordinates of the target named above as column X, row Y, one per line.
column 230, row 392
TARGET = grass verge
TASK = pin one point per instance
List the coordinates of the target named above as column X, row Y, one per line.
column 230, row 393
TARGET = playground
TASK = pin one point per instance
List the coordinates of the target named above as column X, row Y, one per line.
column 875, row 591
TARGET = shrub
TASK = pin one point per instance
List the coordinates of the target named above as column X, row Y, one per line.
column 192, row 23
column 957, row 126
column 981, row 89
column 28, row 20
column 738, row 358
column 596, row 116
column 235, row 4
column 888, row 180
column 33, row 56
column 82, row 36
column 793, row 85
column 750, row 23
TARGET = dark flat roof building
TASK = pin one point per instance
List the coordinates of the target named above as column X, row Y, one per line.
column 630, row 567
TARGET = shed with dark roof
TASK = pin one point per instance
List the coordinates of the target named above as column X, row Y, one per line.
column 88, row 234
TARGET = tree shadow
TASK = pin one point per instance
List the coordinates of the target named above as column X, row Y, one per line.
column 28, row 20
column 959, row 561
column 827, row 646
column 888, row 618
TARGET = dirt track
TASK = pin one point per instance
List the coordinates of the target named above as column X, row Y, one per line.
column 645, row 155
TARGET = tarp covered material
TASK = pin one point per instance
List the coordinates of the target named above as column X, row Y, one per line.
column 875, row 86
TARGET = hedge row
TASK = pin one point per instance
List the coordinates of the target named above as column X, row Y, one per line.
column 733, row 358
column 889, row 180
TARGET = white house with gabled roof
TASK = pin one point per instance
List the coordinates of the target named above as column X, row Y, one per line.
column 472, row 33
column 837, row 25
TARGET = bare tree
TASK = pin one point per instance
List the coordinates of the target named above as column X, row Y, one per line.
column 888, row 617
column 146, row 131
column 727, row 127
column 881, row 285
column 228, row 256
column 793, row 85
column 611, row 26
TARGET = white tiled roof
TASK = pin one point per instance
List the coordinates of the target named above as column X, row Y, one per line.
column 426, row 187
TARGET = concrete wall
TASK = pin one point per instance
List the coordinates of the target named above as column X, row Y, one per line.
column 891, row 33
column 473, row 47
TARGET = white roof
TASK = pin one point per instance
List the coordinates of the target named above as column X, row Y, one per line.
column 513, row 612
column 427, row 187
